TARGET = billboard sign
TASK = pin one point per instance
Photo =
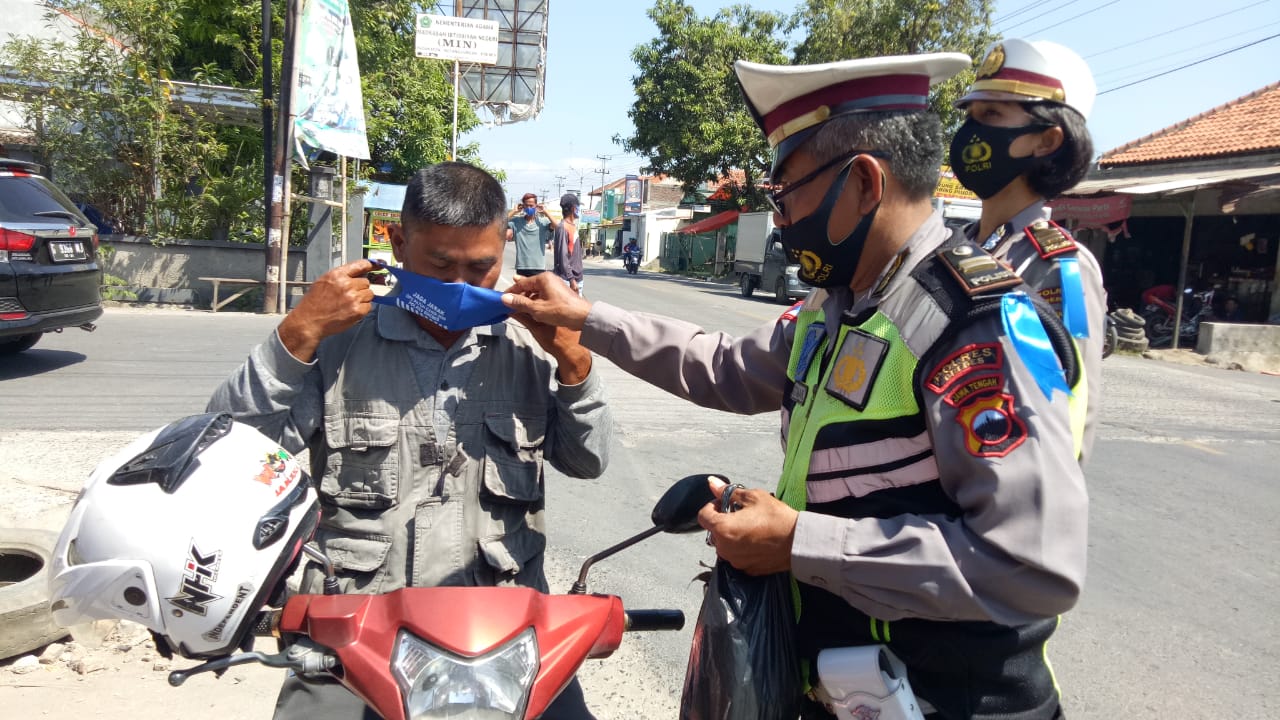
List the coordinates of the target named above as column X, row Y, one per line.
column 467, row 40
column 633, row 195
column 591, row 217
column 327, row 104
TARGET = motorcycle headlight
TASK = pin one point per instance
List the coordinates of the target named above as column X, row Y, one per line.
column 438, row 684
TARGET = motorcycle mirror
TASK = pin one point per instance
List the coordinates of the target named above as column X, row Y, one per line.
column 677, row 509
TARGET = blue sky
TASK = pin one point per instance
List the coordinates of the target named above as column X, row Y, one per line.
column 589, row 71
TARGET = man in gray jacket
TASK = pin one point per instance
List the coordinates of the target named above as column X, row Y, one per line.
column 930, row 500
column 427, row 445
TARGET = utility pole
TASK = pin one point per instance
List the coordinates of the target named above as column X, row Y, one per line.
column 560, row 183
column 545, row 193
column 604, row 160
column 278, row 230
column 268, row 152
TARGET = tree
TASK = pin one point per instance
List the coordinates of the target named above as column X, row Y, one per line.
column 843, row 29
column 690, row 118
column 105, row 126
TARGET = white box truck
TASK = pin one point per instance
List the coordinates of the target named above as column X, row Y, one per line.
column 761, row 262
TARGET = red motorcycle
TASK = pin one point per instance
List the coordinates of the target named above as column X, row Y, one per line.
column 462, row 652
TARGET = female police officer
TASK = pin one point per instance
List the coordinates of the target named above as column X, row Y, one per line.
column 1025, row 142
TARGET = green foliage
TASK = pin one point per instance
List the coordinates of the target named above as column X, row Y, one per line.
column 106, row 129
column 112, row 287
column 689, row 117
column 110, row 136
column 842, row 29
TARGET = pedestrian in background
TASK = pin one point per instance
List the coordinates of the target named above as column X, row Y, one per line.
column 568, row 249
column 530, row 226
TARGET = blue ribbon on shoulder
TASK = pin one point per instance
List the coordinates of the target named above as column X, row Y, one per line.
column 1074, row 314
column 1031, row 343
column 452, row 306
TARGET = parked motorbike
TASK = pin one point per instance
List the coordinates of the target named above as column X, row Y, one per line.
column 462, row 652
column 631, row 260
column 1160, row 309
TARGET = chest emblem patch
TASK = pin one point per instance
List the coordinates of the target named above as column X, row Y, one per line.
column 854, row 370
column 982, row 356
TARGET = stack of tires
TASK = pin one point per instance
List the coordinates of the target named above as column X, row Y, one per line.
column 1131, row 335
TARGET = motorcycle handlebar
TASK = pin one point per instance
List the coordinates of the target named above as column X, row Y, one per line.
column 661, row 619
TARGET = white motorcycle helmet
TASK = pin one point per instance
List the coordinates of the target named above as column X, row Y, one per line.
column 190, row 531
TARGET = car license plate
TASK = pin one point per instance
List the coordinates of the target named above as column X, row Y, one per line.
column 66, row 250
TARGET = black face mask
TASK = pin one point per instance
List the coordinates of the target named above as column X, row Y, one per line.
column 823, row 263
column 980, row 156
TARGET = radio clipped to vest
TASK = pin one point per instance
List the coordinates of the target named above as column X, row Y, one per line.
column 867, row 681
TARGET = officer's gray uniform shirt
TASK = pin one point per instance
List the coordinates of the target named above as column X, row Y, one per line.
column 429, row 460
column 1041, row 274
column 1016, row 553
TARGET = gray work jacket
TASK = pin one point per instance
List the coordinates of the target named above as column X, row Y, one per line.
column 425, row 484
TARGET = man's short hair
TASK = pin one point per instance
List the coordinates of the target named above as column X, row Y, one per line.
column 1067, row 166
column 453, row 194
column 526, row 196
column 912, row 140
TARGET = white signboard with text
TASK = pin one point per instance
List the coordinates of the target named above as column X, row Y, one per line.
column 466, row 40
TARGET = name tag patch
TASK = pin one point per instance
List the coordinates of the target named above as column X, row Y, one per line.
column 856, row 365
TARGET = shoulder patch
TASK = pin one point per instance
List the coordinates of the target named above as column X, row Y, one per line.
column 976, row 270
column 970, row 389
column 992, row 428
column 981, row 356
column 1049, row 238
column 792, row 313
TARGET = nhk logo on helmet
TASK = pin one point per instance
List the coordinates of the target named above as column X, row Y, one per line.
column 195, row 593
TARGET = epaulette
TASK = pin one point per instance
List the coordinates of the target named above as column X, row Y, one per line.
column 977, row 271
column 792, row 313
column 1049, row 238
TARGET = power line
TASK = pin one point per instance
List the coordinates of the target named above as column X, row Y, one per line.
column 1192, row 64
column 1073, row 17
column 1174, row 30
column 1050, row 11
column 1159, row 58
column 1022, row 10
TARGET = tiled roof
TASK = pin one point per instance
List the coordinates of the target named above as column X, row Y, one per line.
column 1246, row 125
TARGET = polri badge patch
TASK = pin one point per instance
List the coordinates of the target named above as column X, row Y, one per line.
column 856, row 365
column 991, row 427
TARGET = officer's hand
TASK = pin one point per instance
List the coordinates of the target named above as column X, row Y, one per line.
column 545, row 299
column 542, row 293
column 756, row 539
column 335, row 302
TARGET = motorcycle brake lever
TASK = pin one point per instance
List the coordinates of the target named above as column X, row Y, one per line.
column 300, row 659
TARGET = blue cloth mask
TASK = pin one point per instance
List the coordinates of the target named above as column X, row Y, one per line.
column 452, row 306
column 530, row 211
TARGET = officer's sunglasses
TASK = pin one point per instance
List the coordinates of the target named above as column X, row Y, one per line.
column 777, row 191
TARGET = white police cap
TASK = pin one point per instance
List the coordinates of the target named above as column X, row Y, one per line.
column 789, row 102
column 1033, row 71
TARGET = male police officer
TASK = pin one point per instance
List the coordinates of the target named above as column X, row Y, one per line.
column 1025, row 142
column 930, row 498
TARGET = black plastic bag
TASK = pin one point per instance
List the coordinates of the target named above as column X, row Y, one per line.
column 743, row 664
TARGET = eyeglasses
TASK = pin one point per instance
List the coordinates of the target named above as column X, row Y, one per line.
column 774, row 197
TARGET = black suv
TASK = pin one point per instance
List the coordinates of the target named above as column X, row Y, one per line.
column 49, row 273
